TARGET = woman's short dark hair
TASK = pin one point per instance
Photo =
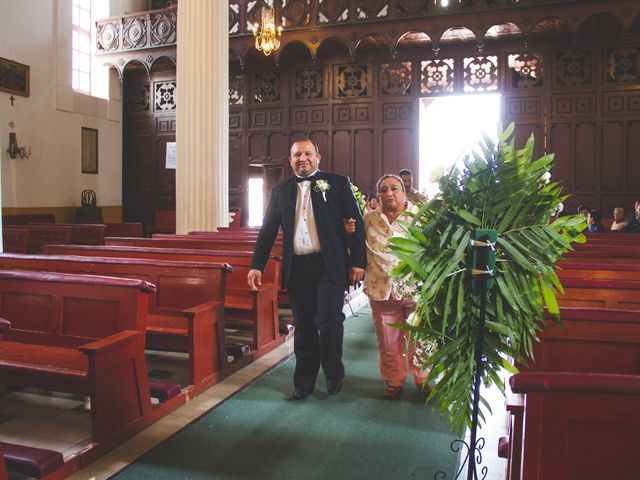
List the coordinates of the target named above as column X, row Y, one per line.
column 596, row 215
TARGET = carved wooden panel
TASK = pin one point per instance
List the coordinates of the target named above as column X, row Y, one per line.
column 586, row 143
column 395, row 78
column 350, row 113
column 296, row 13
column 352, row 81
column 525, row 70
column 623, row 65
column 254, row 12
column 363, row 172
column 561, row 144
column 613, row 156
column 234, row 18
column 397, row 151
column 236, row 89
column 480, row 73
column 166, row 125
column 267, row 118
column 573, row 68
column 309, row 115
column 397, row 112
column 331, row 11
column 621, row 103
column 632, row 171
column 518, row 108
column 258, row 147
column 235, row 120
column 138, row 99
column 278, row 147
column 341, row 148
column 412, row 7
column 164, row 96
column 266, row 87
column 574, row 104
column 309, row 84
column 134, row 32
column 437, row 76
column 371, row 9
column 163, row 28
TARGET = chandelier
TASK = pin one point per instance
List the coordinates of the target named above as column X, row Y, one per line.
column 266, row 34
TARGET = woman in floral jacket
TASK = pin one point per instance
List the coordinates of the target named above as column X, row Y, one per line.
column 391, row 301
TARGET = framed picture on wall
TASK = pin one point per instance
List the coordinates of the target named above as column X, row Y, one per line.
column 14, row 77
column 89, row 150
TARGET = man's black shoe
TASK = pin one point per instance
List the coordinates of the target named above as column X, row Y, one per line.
column 301, row 393
column 334, row 387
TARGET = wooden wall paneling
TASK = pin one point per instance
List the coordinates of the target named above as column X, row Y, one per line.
column 527, row 111
column 341, row 152
column 632, row 157
column 586, row 155
column 165, row 177
column 258, row 143
column 561, row 144
column 237, row 164
column 363, row 173
column 397, row 150
column 278, row 147
column 612, row 155
column 138, row 180
column 322, row 139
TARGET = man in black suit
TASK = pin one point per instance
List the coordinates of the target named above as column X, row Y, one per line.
column 318, row 261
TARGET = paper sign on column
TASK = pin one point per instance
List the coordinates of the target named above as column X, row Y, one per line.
column 171, row 155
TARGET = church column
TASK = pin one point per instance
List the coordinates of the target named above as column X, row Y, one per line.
column 202, row 115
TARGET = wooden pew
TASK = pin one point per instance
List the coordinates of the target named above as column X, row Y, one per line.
column 611, row 238
column 23, row 219
column 587, row 341
column 598, row 271
column 80, row 334
column 124, row 229
column 81, row 233
column 185, row 314
column 3, row 469
column 35, row 462
column 579, row 426
column 612, row 254
column 15, row 240
column 45, row 234
column 190, row 241
column 164, row 222
column 245, row 311
column 619, row 294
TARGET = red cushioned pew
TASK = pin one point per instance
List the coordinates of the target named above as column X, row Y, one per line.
column 186, row 314
column 80, row 334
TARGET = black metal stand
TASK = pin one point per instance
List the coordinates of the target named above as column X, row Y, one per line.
column 473, row 457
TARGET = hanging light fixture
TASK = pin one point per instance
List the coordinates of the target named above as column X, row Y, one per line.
column 266, row 34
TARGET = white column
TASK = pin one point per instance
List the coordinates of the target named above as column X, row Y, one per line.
column 202, row 116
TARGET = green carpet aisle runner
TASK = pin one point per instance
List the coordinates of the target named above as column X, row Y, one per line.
column 259, row 434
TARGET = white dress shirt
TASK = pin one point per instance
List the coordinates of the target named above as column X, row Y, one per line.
column 305, row 236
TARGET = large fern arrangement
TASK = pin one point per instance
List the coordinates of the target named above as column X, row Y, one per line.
column 503, row 189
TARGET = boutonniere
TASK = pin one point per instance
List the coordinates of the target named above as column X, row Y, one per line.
column 322, row 186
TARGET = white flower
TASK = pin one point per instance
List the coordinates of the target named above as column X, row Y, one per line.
column 322, row 186
column 354, row 189
column 436, row 174
column 546, row 177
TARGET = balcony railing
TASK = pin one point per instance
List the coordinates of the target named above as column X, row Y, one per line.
column 158, row 28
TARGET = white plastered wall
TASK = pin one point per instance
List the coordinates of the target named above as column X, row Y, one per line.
column 38, row 33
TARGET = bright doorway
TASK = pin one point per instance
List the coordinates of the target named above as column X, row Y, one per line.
column 449, row 128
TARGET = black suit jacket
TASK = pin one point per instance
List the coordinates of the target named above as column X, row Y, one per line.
column 338, row 251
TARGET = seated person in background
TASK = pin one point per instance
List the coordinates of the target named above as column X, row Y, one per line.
column 619, row 222
column 413, row 195
column 583, row 210
column 594, row 220
column 634, row 219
